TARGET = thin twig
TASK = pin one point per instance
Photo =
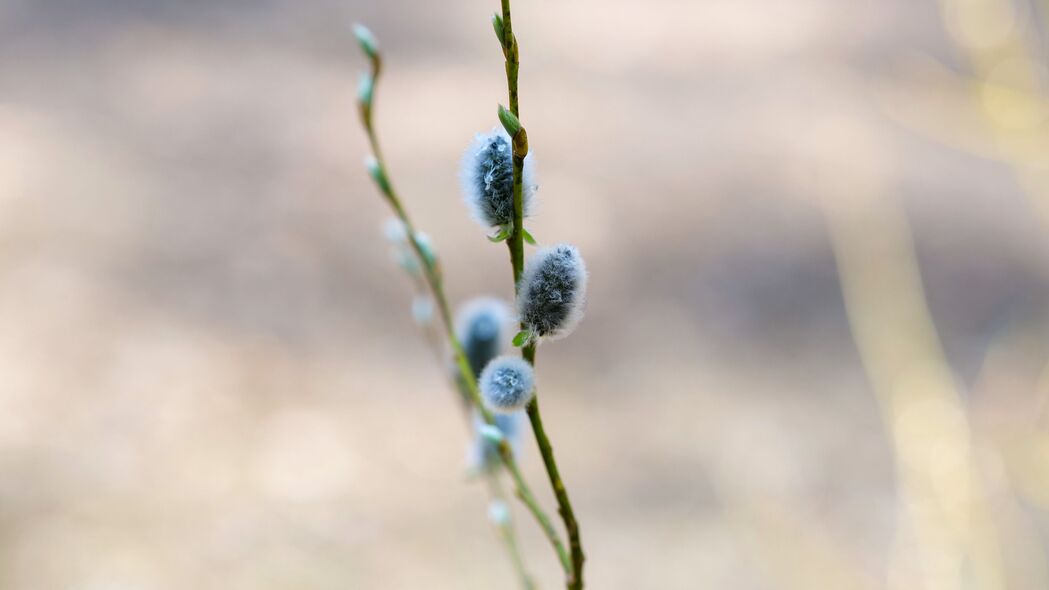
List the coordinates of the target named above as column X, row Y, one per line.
column 564, row 504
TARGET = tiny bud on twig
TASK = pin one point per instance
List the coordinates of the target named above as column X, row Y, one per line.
column 426, row 245
column 522, row 338
column 377, row 174
column 422, row 309
column 510, row 121
column 395, row 231
column 366, row 90
column 408, row 262
column 527, row 236
column 497, row 24
column 367, row 40
column 491, row 433
column 499, row 513
column 485, row 449
column 504, row 232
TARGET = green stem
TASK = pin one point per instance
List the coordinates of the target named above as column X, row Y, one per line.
column 433, row 277
column 564, row 504
column 513, row 60
column 516, row 245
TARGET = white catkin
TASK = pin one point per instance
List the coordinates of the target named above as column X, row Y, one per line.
column 486, row 175
column 507, row 384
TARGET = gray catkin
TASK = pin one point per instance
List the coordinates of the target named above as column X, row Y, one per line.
column 552, row 292
column 481, row 325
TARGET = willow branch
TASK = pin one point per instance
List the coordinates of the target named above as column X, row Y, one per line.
column 432, row 273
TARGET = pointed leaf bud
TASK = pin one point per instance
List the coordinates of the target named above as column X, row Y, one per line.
column 377, row 174
column 369, row 45
column 497, row 24
column 426, row 245
column 509, row 120
column 366, row 90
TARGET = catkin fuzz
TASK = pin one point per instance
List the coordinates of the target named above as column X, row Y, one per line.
column 507, row 384
column 552, row 292
column 487, row 180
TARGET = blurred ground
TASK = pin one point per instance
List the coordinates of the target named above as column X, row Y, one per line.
column 209, row 376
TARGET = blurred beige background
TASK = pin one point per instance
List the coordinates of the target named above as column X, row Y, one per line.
column 209, row 373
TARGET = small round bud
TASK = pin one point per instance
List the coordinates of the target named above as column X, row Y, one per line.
column 377, row 174
column 482, row 327
column 484, row 452
column 395, row 231
column 507, row 384
column 499, row 513
column 366, row 40
column 426, row 246
column 491, row 433
column 552, row 292
column 406, row 260
column 487, row 177
column 422, row 309
column 397, row 235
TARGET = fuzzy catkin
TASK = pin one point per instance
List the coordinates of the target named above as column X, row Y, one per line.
column 552, row 292
column 481, row 325
column 507, row 384
column 487, row 180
